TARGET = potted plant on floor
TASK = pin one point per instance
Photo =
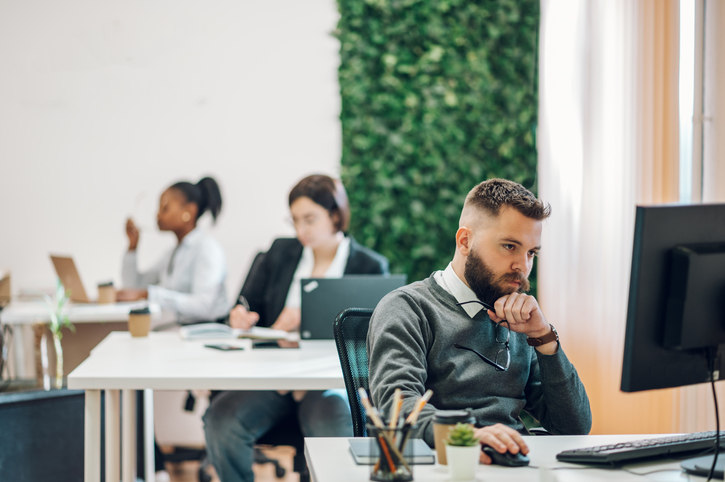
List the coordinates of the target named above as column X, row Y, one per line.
column 462, row 452
column 58, row 321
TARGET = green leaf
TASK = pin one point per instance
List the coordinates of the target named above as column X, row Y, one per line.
column 436, row 96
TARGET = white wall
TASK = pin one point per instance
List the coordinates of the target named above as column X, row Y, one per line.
column 104, row 104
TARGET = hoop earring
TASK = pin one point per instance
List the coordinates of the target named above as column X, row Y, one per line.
column 185, row 217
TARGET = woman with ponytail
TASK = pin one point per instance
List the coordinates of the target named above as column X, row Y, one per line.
column 189, row 280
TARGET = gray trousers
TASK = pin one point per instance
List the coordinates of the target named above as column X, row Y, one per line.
column 236, row 419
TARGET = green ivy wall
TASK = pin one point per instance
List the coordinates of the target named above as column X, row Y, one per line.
column 437, row 95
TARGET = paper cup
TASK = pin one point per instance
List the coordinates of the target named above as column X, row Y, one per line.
column 139, row 322
column 443, row 422
column 106, row 293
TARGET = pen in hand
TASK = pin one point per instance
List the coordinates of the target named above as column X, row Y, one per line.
column 242, row 316
column 243, row 301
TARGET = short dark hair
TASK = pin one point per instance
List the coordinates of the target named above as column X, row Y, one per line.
column 328, row 193
column 493, row 194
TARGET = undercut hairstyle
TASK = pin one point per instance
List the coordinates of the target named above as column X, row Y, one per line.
column 328, row 193
column 493, row 194
column 205, row 194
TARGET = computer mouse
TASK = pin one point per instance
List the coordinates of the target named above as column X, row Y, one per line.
column 506, row 459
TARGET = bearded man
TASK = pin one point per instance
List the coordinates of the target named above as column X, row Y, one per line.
column 472, row 335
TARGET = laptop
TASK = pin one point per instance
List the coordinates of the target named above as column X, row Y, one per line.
column 66, row 270
column 324, row 298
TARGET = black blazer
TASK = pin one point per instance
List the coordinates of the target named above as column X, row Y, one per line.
column 270, row 276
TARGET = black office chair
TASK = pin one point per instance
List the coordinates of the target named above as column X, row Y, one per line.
column 351, row 331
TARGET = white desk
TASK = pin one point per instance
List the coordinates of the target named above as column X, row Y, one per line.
column 163, row 361
column 329, row 460
column 91, row 320
column 31, row 312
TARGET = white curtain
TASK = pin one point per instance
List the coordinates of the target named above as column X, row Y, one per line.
column 714, row 102
column 696, row 406
column 607, row 140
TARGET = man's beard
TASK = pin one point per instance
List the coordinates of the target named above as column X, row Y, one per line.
column 481, row 280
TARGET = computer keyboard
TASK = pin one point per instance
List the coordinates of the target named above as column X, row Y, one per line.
column 636, row 450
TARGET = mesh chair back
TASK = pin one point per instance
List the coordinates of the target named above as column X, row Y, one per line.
column 351, row 330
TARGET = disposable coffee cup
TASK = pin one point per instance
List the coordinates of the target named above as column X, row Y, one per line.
column 106, row 292
column 139, row 322
column 443, row 422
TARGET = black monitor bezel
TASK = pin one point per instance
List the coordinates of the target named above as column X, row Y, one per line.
column 647, row 364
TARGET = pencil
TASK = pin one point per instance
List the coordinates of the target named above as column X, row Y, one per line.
column 395, row 408
column 413, row 417
column 369, row 408
column 379, row 424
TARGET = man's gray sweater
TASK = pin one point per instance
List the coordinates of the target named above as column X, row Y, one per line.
column 410, row 346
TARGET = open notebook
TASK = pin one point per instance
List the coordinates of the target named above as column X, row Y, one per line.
column 203, row 331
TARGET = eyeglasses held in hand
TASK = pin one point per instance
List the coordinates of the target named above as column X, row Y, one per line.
column 503, row 334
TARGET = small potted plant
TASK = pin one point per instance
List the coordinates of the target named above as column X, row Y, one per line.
column 462, row 452
column 58, row 321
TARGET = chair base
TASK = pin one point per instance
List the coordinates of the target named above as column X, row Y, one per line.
column 261, row 458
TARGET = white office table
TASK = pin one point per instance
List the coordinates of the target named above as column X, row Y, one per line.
column 35, row 314
column 329, row 460
column 31, row 312
column 163, row 361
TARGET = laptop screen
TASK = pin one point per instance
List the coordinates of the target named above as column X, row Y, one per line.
column 324, row 298
column 66, row 270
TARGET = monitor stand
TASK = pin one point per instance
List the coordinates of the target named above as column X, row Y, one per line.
column 701, row 466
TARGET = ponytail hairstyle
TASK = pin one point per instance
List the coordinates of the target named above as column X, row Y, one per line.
column 205, row 194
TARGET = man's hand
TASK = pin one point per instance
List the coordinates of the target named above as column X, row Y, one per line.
column 289, row 320
column 523, row 315
column 241, row 318
column 502, row 439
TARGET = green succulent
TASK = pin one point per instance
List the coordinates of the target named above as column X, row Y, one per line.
column 462, row 436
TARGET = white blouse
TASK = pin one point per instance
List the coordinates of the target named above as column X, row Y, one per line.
column 187, row 282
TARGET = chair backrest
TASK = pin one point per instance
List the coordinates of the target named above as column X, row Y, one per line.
column 351, row 330
column 253, row 270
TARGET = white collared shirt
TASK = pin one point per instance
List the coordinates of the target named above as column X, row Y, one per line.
column 449, row 281
column 307, row 264
column 192, row 288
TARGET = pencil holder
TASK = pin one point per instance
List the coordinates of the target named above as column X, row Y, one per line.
column 389, row 443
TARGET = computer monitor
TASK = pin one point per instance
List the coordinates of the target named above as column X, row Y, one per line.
column 675, row 332
column 676, row 309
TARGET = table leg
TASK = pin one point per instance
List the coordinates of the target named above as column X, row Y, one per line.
column 148, row 435
column 128, row 453
column 92, row 437
column 113, row 435
column 41, row 355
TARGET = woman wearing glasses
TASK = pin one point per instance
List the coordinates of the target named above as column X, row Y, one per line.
column 270, row 297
